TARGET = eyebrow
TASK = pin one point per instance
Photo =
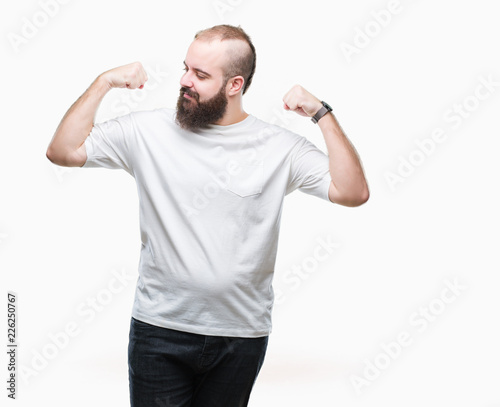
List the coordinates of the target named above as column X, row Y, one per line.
column 198, row 70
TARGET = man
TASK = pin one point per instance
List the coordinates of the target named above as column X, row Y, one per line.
column 211, row 182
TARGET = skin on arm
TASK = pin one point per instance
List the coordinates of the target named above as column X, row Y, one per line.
column 349, row 186
column 66, row 147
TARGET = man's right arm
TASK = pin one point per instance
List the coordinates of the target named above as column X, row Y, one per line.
column 67, row 145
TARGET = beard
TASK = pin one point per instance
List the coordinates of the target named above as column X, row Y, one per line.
column 192, row 114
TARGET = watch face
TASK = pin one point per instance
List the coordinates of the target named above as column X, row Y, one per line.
column 327, row 106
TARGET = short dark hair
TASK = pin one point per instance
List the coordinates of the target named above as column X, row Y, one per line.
column 241, row 64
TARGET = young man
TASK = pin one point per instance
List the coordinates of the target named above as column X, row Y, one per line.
column 211, row 182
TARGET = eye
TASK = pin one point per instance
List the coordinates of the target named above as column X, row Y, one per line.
column 198, row 74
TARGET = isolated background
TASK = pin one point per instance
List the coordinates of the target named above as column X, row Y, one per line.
column 64, row 232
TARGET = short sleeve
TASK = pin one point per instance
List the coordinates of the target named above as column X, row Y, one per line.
column 109, row 144
column 309, row 170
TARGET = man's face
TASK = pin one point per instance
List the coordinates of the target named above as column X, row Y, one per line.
column 202, row 98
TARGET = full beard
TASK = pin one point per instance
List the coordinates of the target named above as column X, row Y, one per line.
column 193, row 114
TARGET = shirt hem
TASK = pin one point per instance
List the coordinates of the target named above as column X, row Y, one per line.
column 200, row 330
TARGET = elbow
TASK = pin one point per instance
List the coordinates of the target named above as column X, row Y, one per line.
column 354, row 200
column 65, row 158
column 55, row 157
column 352, row 197
column 362, row 197
column 50, row 155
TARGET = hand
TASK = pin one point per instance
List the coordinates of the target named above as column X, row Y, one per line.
column 301, row 101
column 131, row 76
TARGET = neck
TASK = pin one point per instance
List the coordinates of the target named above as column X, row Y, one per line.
column 234, row 114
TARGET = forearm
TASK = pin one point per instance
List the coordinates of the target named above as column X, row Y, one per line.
column 77, row 123
column 349, row 183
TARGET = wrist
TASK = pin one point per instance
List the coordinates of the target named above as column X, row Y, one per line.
column 327, row 120
column 102, row 83
column 321, row 112
column 317, row 107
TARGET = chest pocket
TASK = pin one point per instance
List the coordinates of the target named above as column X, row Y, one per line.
column 248, row 179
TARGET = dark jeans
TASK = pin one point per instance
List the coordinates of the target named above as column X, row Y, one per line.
column 169, row 368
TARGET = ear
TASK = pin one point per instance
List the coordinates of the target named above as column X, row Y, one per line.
column 235, row 85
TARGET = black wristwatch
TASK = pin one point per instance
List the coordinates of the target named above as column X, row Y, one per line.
column 321, row 112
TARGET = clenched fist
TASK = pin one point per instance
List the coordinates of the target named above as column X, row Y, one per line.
column 301, row 101
column 131, row 76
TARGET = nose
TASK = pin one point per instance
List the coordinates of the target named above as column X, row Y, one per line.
column 186, row 81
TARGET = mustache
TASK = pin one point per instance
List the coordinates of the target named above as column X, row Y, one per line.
column 189, row 92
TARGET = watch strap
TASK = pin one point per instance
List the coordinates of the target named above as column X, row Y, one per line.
column 321, row 112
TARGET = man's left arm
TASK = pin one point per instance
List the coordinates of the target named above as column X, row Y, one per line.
column 348, row 186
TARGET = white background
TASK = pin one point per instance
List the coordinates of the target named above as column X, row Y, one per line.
column 63, row 232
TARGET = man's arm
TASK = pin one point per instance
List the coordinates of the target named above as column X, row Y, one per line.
column 348, row 187
column 66, row 147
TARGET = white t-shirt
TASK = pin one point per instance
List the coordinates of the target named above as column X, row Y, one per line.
column 210, row 208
